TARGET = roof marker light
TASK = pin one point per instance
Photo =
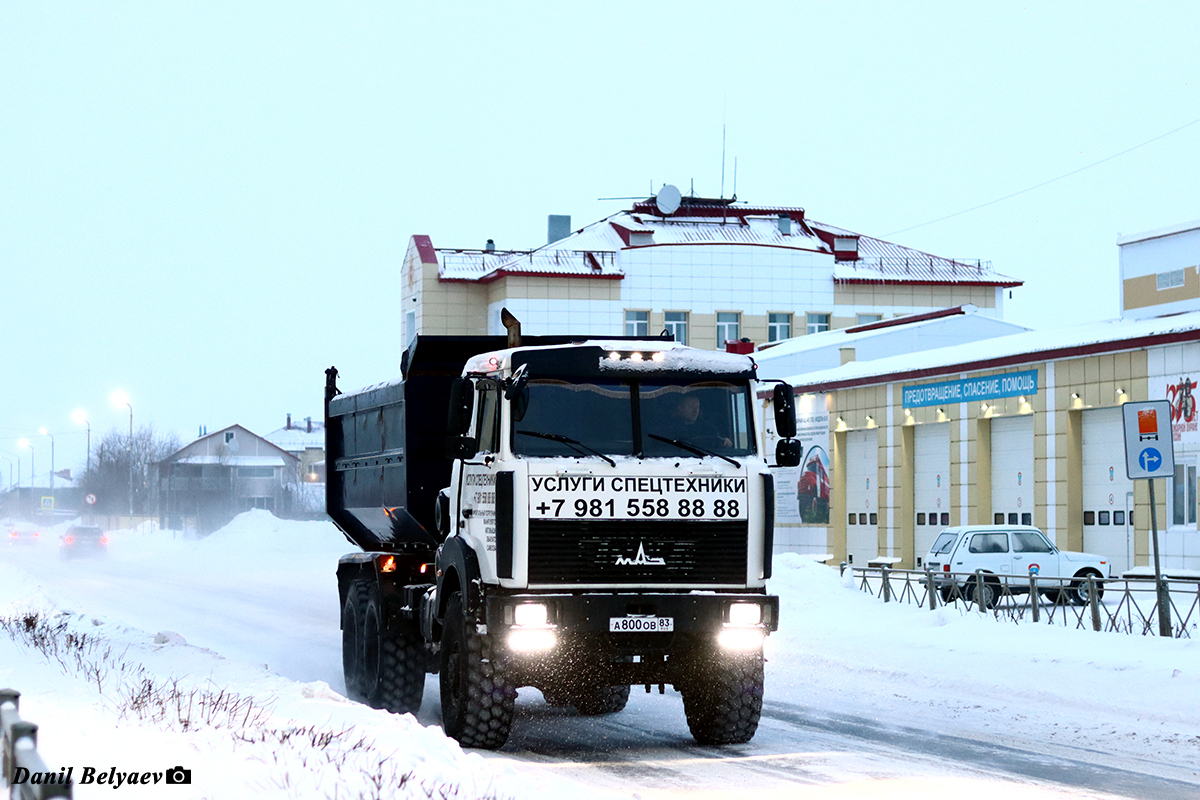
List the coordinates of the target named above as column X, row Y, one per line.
column 635, row 356
column 659, row 356
column 614, row 356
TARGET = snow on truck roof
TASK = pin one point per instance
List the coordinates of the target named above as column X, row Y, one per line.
column 648, row 356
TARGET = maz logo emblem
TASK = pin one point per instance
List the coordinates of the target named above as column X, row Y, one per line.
column 641, row 559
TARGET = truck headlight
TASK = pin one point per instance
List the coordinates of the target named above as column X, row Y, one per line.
column 745, row 614
column 531, row 615
column 741, row 639
column 528, row 640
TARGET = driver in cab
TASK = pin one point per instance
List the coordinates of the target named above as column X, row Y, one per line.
column 687, row 425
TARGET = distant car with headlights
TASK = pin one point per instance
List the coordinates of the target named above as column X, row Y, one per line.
column 1007, row 555
column 83, row 541
column 22, row 534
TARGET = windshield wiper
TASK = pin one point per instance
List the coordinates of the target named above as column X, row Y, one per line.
column 577, row 446
column 691, row 448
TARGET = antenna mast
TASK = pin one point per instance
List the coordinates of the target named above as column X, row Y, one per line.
column 722, row 160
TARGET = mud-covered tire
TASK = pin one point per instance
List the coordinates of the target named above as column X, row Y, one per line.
column 723, row 702
column 477, row 700
column 601, row 700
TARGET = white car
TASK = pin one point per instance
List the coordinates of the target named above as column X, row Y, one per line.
column 1009, row 555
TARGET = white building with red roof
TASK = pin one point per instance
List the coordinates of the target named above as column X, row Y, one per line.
column 707, row 270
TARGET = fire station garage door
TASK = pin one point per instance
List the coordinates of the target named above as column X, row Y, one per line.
column 862, row 496
column 1012, row 470
column 1107, row 528
column 931, row 488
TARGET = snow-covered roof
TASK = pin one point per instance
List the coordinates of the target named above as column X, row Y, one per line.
column 591, row 251
column 297, row 438
column 1018, row 348
column 233, row 461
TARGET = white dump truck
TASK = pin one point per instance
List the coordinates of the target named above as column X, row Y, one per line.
column 576, row 515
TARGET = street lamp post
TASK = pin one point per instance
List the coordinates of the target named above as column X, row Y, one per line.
column 80, row 418
column 10, row 463
column 119, row 399
column 45, row 432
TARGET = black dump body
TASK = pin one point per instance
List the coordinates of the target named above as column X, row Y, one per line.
column 385, row 457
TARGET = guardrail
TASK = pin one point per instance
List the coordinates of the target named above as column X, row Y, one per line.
column 20, row 753
column 1123, row 605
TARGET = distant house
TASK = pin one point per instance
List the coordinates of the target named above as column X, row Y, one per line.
column 222, row 474
column 306, row 441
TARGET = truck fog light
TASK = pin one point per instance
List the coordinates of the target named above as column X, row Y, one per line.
column 745, row 614
column 531, row 640
column 532, row 615
column 741, row 639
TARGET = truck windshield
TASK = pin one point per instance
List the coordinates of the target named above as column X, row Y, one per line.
column 598, row 416
column 712, row 415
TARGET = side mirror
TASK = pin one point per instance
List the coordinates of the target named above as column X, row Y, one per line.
column 788, row 453
column 462, row 403
column 784, row 403
column 461, row 447
column 514, row 385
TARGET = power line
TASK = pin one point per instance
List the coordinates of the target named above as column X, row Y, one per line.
column 1045, row 183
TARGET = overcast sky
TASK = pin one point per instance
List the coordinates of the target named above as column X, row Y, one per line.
column 206, row 204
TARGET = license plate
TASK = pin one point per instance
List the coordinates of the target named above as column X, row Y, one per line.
column 641, row 624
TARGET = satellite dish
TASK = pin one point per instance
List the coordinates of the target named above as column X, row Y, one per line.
column 667, row 199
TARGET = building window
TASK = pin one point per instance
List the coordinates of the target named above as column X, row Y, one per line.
column 818, row 323
column 867, row 319
column 637, row 323
column 727, row 327
column 255, row 472
column 1183, row 496
column 676, row 323
column 779, row 327
column 1169, row 280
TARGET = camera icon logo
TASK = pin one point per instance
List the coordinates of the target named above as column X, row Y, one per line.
column 178, row 775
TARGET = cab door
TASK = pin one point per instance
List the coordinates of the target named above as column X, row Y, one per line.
column 477, row 492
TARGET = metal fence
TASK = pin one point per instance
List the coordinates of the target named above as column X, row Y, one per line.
column 1129, row 605
column 20, row 753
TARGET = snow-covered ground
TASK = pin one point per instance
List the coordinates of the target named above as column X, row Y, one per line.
column 252, row 611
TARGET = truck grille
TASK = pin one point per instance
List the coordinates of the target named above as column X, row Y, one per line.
column 618, row 552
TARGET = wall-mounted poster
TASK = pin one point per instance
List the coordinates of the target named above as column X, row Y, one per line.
column 1184, row 419
column 802, row 493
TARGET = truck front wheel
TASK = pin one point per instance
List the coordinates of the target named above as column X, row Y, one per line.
column 477, row 700
column 723, row 701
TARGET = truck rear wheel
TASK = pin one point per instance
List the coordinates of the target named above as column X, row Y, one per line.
column 384, row 669
column 723, row 702
column 601, row 700
column 477, row 700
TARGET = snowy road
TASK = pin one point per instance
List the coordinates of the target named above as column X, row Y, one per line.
column 846, row 709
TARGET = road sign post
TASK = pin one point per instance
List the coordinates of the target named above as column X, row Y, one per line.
column 1150, row 454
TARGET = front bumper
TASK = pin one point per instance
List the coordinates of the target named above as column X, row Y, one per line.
column 585, row 648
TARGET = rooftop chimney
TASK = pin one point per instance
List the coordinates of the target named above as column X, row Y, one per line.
column 308, row 420
column 558, row 226
column 289, row 423
column 785, row 224
column 490, row 247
